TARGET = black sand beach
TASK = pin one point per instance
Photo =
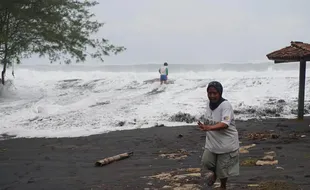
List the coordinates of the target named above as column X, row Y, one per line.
column 68, row 163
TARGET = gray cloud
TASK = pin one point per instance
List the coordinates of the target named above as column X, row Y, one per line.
column 201, row 31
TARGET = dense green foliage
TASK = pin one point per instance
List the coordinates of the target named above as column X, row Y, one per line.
column 63, row 30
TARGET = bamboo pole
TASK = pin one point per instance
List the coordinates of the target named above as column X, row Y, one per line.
column 109, row 160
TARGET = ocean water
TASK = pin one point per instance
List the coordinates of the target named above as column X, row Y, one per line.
column 78, row 100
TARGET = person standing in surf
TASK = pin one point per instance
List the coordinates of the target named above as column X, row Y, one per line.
column 163, row 73
column 221, row 153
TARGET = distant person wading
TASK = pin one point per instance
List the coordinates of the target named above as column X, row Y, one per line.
column 163, row 73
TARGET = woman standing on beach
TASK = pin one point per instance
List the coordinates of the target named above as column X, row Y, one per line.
column 221, row 154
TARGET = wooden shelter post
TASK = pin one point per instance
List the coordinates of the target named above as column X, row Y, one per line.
column 301, row 93
column 296, row 52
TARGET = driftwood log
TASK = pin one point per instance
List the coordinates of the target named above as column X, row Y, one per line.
column 109, row 160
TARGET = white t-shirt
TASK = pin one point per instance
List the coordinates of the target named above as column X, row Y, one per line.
column 224, row 140
column 163, row 70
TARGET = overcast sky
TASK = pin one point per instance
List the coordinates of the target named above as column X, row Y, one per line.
column 201, row 31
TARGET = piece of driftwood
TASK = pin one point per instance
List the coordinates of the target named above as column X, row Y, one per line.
column 109, row 160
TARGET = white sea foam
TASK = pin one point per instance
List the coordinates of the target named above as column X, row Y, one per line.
column 70, row 101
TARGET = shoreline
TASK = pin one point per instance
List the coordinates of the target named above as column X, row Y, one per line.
column 6, row 136
column 68, row 163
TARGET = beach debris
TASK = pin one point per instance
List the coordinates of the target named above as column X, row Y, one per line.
column 180, row 136
column 216, row 185
column 262, row 135
column 109, row 160
column 253, row 185
column 279, row 168
column 191, row 170
column 167, row 187
column 303, row 136
column 271, row 153
column 263, row 163
column 268, row 159
column 176, row 184
column 162, row 176
column 174, row 176
column 249, row 162
column 244, row 149
column 249, row 146
column 183, row 178
column 178, row 155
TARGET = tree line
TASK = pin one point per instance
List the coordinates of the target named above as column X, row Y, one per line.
column 62, row 30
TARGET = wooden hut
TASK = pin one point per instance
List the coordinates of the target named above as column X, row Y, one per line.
column 296, row 52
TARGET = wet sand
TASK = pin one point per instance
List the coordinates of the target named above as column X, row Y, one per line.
column 68, row 163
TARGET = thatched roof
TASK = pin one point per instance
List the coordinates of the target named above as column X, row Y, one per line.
column 295, row 52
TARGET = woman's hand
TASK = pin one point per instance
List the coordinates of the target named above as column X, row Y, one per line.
column 204, row 127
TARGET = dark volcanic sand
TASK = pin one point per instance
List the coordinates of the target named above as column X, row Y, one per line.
column 68, row 163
